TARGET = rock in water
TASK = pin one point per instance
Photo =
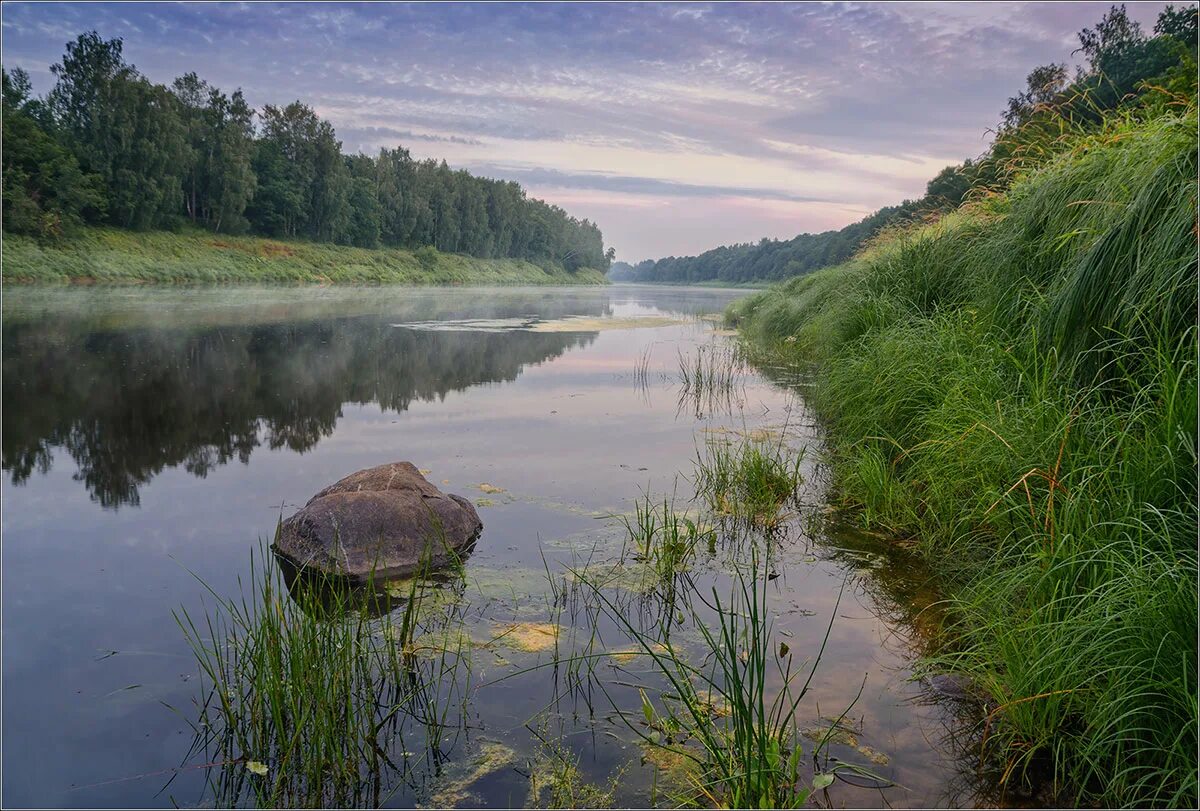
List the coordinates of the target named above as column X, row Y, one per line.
column 381, row 522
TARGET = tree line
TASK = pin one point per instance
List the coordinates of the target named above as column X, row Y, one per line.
column 1126, row 69
column 108, row 146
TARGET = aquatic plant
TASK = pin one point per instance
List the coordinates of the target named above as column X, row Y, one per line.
column 711, row 379
column 1013, row 388
column 663, row 538
column 750, row 476
column 734, row 714
column 311, row 687
column 556, row 781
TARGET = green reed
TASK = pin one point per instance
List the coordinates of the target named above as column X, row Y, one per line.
column 748, row 477
column 734, row 715
column 309, row 685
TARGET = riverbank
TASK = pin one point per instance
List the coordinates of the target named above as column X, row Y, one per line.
column 112, row 255
column 1012, row 392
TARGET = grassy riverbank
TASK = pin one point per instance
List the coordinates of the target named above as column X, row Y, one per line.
column 199, row 257
column 1013, row 391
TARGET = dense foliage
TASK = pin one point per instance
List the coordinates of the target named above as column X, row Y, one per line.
column 107, row 146
column 1124, row 68
column 1012, row 390
column 118, row 255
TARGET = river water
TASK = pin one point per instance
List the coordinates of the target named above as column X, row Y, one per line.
column 153, row 438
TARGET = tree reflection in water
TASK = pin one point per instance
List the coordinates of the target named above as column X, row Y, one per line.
column 128, row 400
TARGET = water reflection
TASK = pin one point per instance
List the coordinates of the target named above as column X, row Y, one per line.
column 127, row 393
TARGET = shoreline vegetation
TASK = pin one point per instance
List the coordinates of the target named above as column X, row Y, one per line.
column 194, row 256
column 1126, row 68
column 108, row 147
column 1011, row 390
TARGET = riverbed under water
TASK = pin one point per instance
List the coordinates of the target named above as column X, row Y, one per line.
column 153, row 438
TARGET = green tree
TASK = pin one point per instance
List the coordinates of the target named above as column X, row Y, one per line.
column 365, row 212
column 45, row 191
column 123, row 128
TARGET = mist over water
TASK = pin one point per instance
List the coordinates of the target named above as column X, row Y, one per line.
column 154, row 437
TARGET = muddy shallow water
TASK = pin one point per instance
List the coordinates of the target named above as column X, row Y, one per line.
column 153, row 437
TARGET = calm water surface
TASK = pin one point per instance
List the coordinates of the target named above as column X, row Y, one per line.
column 152, row 435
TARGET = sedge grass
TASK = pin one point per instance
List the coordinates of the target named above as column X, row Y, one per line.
column 747, row 477
column 1014, row 389
column 309, row 696
column 734, row 715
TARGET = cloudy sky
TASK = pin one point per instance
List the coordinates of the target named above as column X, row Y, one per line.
column 675, row 126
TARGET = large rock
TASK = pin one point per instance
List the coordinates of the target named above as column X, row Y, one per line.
column 381, row 522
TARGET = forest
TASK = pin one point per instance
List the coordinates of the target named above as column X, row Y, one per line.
column 106, row 146
column 1122, row 61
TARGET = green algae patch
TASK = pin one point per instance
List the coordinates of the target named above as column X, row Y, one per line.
column 835, row 733
column 527, row 637
column 635, row 577
column 624, row 656
column 555, row 781
column 678, row 771
column 590, row 324
column 510, row 583
column 456, row 788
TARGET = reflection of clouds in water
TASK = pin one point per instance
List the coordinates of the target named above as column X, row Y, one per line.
column 131, row 383
column 574, row 323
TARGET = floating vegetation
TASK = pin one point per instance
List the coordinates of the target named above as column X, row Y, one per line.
column 490, row 488
column 593, row 324
column 627, row 655
column 309, row 699
column 678, row 770
column 485, row 502
column 528, row 637
column 455, row 788
column 555, row 781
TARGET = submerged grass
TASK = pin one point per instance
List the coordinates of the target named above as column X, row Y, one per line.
column 747, row 477
column 734, row 714
column 199, row 257
column 665, row 539
column 556, row 781
column 310, row 695
column 1014, row 389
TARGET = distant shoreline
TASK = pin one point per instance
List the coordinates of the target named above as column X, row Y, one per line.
column 116, row 256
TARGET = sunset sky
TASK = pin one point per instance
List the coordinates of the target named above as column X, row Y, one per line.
column 675, row 126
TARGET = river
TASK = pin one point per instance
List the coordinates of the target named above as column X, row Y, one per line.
column 154, row 437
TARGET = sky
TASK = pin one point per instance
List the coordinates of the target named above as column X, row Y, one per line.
column 676, row 127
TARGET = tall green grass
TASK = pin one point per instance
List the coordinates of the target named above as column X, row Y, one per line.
column 747, row 478
column 318, row 694
column 734, row 714
column 664, row 539
column 1014, row 388
column 198, row 257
